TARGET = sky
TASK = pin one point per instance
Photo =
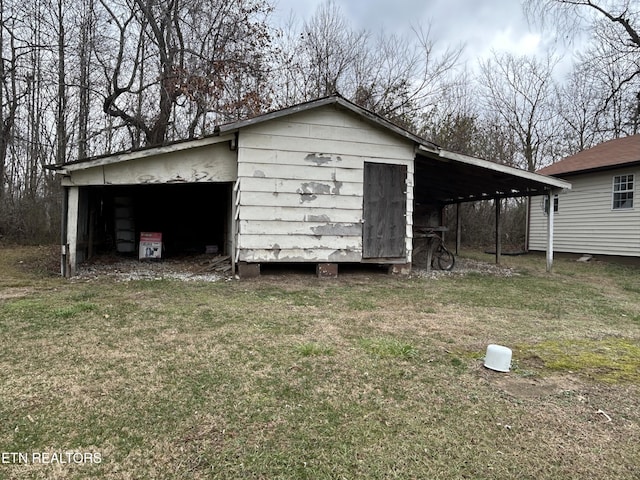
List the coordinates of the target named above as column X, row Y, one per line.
column 480, row 25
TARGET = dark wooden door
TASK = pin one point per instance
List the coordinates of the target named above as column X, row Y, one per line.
column 385, row 201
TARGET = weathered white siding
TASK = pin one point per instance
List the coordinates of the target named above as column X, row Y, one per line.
column 211, row 163
column 300, row 195
column 585, row 221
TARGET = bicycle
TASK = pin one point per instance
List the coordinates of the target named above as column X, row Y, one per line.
column 440, row 255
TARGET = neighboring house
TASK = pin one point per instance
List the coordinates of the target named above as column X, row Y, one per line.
column 323, row 182
column 601, row 213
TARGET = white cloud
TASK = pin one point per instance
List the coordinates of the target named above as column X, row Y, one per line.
column 520, row 43
column 480, row 25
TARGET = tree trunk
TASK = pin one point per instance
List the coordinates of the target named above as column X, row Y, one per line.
column 85, row 46
column 61, row 123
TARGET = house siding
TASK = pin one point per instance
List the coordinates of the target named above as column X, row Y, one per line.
column 585, row 221
column 300, row 186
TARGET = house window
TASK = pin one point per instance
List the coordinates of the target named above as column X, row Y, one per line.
column 546, row 204
column 622, row 191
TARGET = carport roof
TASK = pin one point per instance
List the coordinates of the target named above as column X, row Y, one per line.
column 447, row 177
column 440, row 176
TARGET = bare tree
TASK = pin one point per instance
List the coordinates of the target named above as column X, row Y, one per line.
column 614, row 27
column 184, row 58
column 396, row 76
column 579, row 102
column 404, row 76
column 333, row 47
column 61, row 111
column 86, row 24
column 520, row 93
column 8, row 92
column 613, row 115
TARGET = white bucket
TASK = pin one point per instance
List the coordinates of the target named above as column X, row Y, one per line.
column 498, row 358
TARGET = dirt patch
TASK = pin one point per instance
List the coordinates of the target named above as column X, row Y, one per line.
column 533, row 387
column 17, row 292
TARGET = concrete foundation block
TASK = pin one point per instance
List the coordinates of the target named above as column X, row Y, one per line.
column 248, row 270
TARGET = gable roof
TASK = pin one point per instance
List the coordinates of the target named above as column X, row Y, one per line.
column 474, row 178
column 335, row 99
column 225, row 131
column 607, row 155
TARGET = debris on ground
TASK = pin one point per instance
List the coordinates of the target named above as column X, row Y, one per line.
column 213, row 268
column 202, row 268
column 464, row 266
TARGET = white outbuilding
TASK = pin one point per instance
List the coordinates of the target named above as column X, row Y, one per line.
column 324, row 182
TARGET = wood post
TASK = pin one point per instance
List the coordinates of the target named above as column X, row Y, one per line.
column 498, row 231
column 73, row 202
column 458, row 229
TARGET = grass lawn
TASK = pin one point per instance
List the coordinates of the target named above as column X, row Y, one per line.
column 289, row 376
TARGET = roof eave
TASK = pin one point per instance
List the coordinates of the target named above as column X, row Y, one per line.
column 604, row 168
column 552, row 182
column 64, row 168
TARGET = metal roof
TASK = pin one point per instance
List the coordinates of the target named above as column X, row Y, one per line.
column 448, row 177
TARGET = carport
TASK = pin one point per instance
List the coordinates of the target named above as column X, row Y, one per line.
column 445, row 178
column 183, row 190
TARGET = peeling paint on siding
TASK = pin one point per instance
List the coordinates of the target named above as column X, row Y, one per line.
column 317, row 218
column 314, row 188
column 198, row 176
column 346, row 229
column 350, row 254
column 307, row 197
column 259, row 173
column 146, row 178
column 321, row 158
column 337, row 184
column 177, row 179
column 347, row 255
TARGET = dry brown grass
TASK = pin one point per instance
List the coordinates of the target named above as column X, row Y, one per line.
column 289, row 376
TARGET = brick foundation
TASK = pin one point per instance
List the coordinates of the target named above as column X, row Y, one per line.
column 400, row 269
column 327, row 270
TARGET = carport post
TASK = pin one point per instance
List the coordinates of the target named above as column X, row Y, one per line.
column 550, row 231
column 73, row 202
column 458, row 229
column 64, row 250
column 498, row 231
